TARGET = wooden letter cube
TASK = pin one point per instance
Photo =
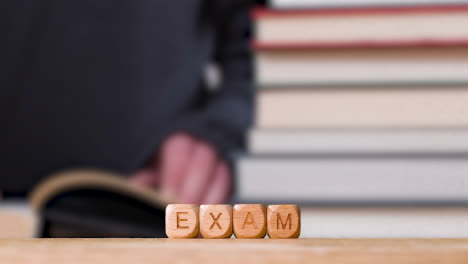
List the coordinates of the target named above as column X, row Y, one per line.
column 284, row 221
column 249, row 220
column 182, row 221
column 216, row 221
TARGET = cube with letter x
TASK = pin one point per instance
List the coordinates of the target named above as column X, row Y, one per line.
column 216, row 221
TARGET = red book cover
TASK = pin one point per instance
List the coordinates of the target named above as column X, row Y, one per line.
column 261, row 12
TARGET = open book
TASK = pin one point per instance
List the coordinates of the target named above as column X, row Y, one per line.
column 93, row 203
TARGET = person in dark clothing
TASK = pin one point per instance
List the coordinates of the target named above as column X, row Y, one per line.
column 119, row 85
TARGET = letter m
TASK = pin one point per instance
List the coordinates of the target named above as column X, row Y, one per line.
column 283, row 224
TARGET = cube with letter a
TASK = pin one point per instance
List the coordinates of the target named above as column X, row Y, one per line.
column 249, row 220
column 182, row 221
column 283, row 221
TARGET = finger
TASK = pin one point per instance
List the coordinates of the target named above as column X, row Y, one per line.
column 199, row 173
column 174, row 158
column 221, row 186
column 148, row 177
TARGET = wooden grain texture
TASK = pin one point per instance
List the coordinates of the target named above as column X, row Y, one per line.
column 182, row 220
column 284, row 221
column 216, row 221
column 249, row 220
column 245, row 251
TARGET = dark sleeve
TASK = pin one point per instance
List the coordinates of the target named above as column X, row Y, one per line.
column 228, row 113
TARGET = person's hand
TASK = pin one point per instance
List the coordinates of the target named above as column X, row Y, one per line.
column 189, row 169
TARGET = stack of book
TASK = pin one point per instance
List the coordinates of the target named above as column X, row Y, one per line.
column 360, row 104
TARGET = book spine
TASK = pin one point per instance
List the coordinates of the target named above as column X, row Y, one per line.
column 354, row 179
column 262, row 12
column 330, row 4
column 278, row 46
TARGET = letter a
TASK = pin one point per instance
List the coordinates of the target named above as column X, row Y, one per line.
column 251, row 222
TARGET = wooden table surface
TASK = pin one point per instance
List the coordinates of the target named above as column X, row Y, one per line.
column 142, row 251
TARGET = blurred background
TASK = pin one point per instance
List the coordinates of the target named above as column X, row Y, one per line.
column 361, row 118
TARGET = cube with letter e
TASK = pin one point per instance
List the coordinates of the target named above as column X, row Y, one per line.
column 182, row 220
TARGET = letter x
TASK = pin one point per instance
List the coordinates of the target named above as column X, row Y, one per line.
column 215, row 221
